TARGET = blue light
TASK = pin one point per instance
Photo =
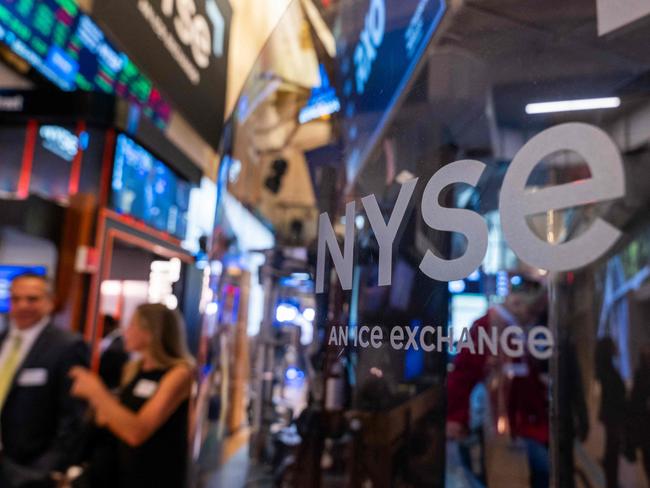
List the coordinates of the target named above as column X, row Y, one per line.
column 502, row 283
column 475, row 276
column 83, row 140
column 294, row 374
column 457, row 286
column 62, row 64
column 515, row 280
column 322, row 102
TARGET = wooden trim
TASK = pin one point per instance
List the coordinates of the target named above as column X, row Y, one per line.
column 96, row 334
column 105, row 242
column 95, row 282
column 141, row 227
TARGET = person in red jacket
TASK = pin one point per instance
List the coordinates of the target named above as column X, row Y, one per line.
column 521, row 399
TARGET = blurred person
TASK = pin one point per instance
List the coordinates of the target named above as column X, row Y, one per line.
column 612, row 407
column 40, row 422
column 113, row 354
column 526, row 398
column 638, row 430
column 149, row 419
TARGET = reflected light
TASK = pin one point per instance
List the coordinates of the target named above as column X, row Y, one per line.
column 501, row 425
column 111, row 288
column 457, row 286
column 171, row 302
column 475, row 276
column 293, row 374
column 285, row 313
column 572, row 105
column 211, row 308
column 309, row 314
column 359, row 222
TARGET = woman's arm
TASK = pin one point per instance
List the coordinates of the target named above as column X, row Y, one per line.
column 135, row 428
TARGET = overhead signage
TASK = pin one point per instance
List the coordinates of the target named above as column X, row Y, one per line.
column 183, row 46
column 68, row 48
column 380, row 43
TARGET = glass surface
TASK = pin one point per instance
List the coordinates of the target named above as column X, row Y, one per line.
column 561, row 401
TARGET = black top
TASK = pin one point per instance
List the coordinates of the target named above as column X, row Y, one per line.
column 162, row 460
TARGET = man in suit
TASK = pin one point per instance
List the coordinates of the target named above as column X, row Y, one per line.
column 39, row 421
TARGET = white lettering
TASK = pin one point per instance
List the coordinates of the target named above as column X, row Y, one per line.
column 376, row 337
column 540, row 347
column 193, row 29
column 465, row 342
column 397, row 338
column 385, row 233
column 484, row 339
column 515, row 204
column 327, row 239
column 512, row 334
column 427, row 329
column 466, row 222
column 607, row 182
column 411, row 335
column 333, row 337
column 363, row 329
column 448, row 339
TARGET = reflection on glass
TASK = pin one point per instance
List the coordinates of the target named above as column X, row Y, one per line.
column 557, row 395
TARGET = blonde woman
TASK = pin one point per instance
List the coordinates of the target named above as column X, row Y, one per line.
column 149, row 418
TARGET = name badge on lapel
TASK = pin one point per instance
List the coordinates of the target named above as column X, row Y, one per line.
column 145, row 388
column 32, row 377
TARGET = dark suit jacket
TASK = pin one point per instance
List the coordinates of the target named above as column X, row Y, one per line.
column 40, row 422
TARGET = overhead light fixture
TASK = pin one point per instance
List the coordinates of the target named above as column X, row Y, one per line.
column 572, row 105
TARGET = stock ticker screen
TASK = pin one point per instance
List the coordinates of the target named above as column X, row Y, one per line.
column 68, row 48
column 147, row 189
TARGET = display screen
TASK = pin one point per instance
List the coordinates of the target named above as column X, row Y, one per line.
column 7, row 274
column 183, row 45
column 147, row 189
column 380, row 43
column 69, row 49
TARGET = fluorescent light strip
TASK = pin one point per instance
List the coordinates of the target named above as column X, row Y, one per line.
column 571, row 105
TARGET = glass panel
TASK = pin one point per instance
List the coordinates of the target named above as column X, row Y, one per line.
column 483, row 325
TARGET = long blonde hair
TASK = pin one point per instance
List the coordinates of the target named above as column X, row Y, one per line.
column 168, row 345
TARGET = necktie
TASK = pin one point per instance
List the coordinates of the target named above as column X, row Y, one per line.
column 8, row 367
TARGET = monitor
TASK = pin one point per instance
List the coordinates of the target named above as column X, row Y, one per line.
column 148, row 190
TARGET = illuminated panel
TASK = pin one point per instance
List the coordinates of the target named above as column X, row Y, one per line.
column 68, row 48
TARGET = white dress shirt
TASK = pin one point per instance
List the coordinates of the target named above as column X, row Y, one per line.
column 28, row 337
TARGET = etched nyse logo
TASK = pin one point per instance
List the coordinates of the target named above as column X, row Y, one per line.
column 516, row 203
